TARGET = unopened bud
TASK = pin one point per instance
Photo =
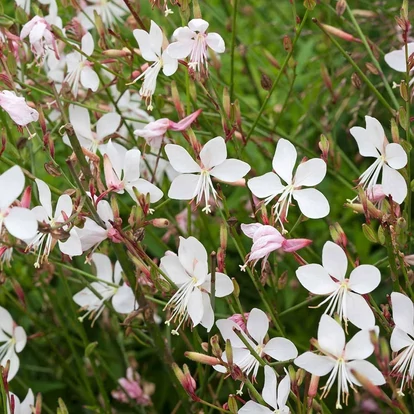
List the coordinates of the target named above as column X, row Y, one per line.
column 309, row 4
column 369, row 233
column 51, row 169
column 356, row 81
column 232, row 404
column 177, row 100
column 340, row 7
column 372, row 68
column 324, row 147
column 402, row 117
column 114, row 207
column 202, row 358
column 114, row 53
column 236, row 288
column 404, row 91
column 282, row 281
column 186, row 380
column 160, row 222
column 115, row 236
column 338, row 235
column 215, row 347
column 395, row 133
column 339, row 33
column 313, row 388
column 287, row 43
column 227, row 103
column 293, row 375
column 384, row 353
column 229, row 352
column 38, row 405
column 266, row 82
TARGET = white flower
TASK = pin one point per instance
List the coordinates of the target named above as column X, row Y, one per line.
column 372, row 142
column 274, row 395
column 257, row 326
column 213, row 163
column 122, row 172
column 150, row 45
column 111, row 287
column 193, row 41
column 20, row 222
column 402, row 337
column 396, row 59
column 189, row 271
column 344, row 293
column 341, row 358
column 81, row 123
column 43, row 242
column 13, row 339
column 24, row 407
column 16, row 106
column 80, row 69
column 111, row 12
column 312, row 203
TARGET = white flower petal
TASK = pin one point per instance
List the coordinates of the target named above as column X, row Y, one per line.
column 180, row 50
column 155, row 37
column 144, row 44
column 20, row 338
column 366, row 369
column 27, row 404
column 283, row 392
column 214, row 153
column 280, row 349
column 64, row 204
column 81, row 122
column 172, row 266
column 21, row 223
column 334, row 260
column 180, row 159
column 396, row 60
column 224, row 285
column 331, row 336
column 107, row 125
column 11, row 185
column 145, row 187
column 87, row 44
column 257, row 325
column 364, row 279
column 230, row 170
column 316, row 279
column 315, row 364
column 360, row 346
column 184, row 187
column 393, row 184
column 312, row 203
column 91, row 234
column 216, row 42
column 403, row 312
column 191, row 252
column 395, row 156
column 89, row 78
column 170, row 64
column 6, row 323
column 284, row 159
column 198, row 25
column 375, row 132
column 265, row 185
column 358, row 311
column 14, row 364
column 208, row 314
column 124, row 300
column 400, row 339
column 252, row 407
column 365, row 146
column 226, row 326
column 195, row 306
column 45, row 196
column 103, row 266
column 310, row 172
column 131, row 165
column 72, row 246
column 270, row 387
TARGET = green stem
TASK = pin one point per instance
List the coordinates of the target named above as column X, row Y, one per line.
column 233, row 46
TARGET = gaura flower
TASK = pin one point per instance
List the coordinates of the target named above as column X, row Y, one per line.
column 312, row 203
column 396, row 59
column 340, row 358
column 150, row 45
column 122, row 172
column 189, row 271
column 154, row 132
column 20, row 222
column 274, row 395
column 16, row 106
column 267, row 239
column 111, row 12
column 80, row 69
column 24, row 407
column 402, row 337
column 372, row 142
column 40, row 37
column 111, row 287
column 43, row 242
column 193, row 41
column 344, row 294
column 213, row 163
column 81, row 123
column 279, row 348
column 13, row 339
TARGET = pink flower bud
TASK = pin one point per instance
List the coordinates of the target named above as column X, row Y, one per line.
column 237, row 318
column 113, row 235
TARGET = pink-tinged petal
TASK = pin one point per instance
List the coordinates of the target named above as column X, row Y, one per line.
column 16, row 106
column 145, row 187
column 283, row 392
column 396, row 60
column 37, row 32
column 367, row 370
column 172, row 266
column 194, row 306
column 104, row 270
column 364, row 279
column 89, row 78
column 169, row 64
column 21, row 223
column 113, row 182
column 131, row 165
column 208, row 314
column 375, row 133
column 180, row 159
column 216, row 42
column 184, row 187
column 180, row 49
column 252, row 407
column 214, row 153
column 280, row 349
column 265, row 234
column 270, row 387
column 316, row 279
column 6, row 323
column 257, row 325
column 358, row 311
column 81, row 122
column 155, row 37
column 360, row 346
column 334, row 260
column 124, row 300
column 144, row 44
column 191, row 252
column 185, row 122
column 11, row 186
column 393, row 184
column 72, row 246
column 395, row 156
column 365, row 146
column 265, row 185
column 116, row 157
column 315, row 364
column 400, row 340
column 198, row 25
column 20, row 338
column 226, row 326
column 310, row 172
column 87, row 44
column 291, row 245
column 64, row 204
column 105, row 212
column 284, row 160
column 91, row 234
column 403, row 312
column 250, row 229
column 230, row 170
column 331, row 336
column 107, row 125
column 312, row 203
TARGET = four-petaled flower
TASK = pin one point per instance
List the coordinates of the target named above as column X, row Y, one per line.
column 312, row 203
column 340, row 359
column 390, row 157
column 344, row 294
column 189, row 271
column 213, row 163
column 110, row 286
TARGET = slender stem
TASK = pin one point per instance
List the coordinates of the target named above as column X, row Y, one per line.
column 261, row 361
column 233, row 46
